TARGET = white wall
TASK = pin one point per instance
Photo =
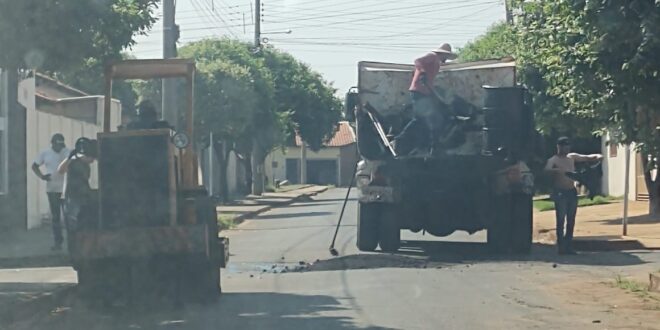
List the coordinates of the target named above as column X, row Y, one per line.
column 614, row 170
column 40, row 128
column 279, row 156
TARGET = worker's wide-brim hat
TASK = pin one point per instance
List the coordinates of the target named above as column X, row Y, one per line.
column 445, row 49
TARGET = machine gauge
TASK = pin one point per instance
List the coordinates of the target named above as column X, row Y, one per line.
column 180, row 140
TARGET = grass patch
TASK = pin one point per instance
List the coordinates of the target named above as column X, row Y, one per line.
column 630, row 285
column 637, row 288
column 547, row 204
column 226, row 221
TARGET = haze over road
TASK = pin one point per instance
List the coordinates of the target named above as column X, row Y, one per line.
column 451, row 283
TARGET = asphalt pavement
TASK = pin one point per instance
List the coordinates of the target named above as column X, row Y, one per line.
column 281, row 276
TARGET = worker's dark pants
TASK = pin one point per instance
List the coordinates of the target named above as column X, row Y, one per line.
column 420, row 130
column 72, row 211
column 566, row 209
column 55, row 202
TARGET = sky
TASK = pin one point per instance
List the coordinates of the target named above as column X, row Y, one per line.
column 332, row 36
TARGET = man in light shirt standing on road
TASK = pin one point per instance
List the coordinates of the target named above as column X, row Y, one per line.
column 50, row 159
column 562, row 167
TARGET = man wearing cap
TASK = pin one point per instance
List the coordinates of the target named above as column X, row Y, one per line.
column 562, row 168
column 424, row 104
column 50, row 159
column 147, row 118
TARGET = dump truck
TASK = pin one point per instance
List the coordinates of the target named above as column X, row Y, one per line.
column 475, row 177
column 153, row 230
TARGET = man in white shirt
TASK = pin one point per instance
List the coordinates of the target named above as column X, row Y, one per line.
column 50, row 159
column 564, row 192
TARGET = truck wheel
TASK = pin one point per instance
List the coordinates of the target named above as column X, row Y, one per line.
column 499, row 231
column 389, row 230
column 522, row 223
column 367, row 226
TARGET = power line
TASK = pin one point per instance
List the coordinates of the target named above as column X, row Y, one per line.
column 215, row 15
column 398, row 10
column 361, row 9
column 362, row 19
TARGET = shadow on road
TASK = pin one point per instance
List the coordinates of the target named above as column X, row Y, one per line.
column 258, row 310
column 439, row 251
column 637, row 220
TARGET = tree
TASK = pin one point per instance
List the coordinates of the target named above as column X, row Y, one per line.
column 311, row 101
column 499, row 41
column 265, row 129
column 597, row 62
column 287, row 97
column 226, row 102
column 55, row 35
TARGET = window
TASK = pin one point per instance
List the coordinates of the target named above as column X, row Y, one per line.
column 4, row 105
column 614, row 148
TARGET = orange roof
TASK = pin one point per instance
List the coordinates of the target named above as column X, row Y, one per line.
column 344, row 135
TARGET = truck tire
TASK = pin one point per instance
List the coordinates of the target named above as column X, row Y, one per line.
column 389, row 231
column 522, row 223
column 367, row 226
column 499, row 230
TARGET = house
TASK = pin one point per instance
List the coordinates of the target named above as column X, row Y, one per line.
column 614, row 171
column 13, row 170
column 46, row 107
column 333, row 164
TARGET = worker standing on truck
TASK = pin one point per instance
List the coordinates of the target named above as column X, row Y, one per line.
column 421, row 127
column 562, row 167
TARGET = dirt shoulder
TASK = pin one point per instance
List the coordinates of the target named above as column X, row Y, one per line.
column 604, row 223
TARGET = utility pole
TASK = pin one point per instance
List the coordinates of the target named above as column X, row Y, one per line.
column 303, row 162
column 170, row 36
column 257, row 24
column 626, row 191
column 509, row 14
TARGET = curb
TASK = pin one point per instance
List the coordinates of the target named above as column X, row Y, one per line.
column 239, row 219
column 21, row 311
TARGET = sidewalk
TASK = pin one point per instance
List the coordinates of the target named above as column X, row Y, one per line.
column 600, row 227
column 30, row 248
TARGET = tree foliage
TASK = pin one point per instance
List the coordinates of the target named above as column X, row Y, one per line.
column 593, row 67
column 53, row 35
column 304, row 94
column 499, row 41
column 254, row 101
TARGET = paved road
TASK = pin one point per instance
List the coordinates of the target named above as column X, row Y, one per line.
column 452, row 283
